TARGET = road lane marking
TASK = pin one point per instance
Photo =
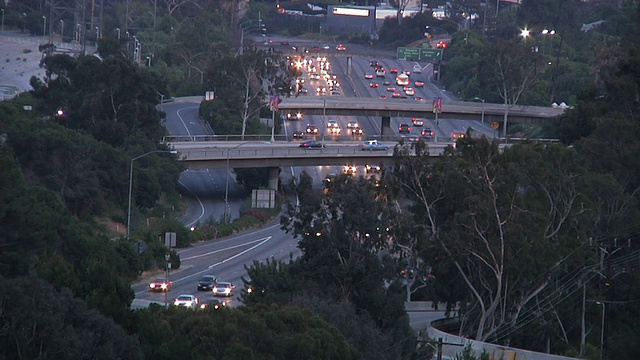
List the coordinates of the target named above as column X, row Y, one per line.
column 224, row 249
column 240, row 253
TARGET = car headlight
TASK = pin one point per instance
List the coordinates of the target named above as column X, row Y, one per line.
column 164, row 286
column 152, row 285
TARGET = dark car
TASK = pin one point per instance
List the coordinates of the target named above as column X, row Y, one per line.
column 311, row 144
column 404, row 129
column 374, row 63
column 427, row 134
column 206, row 283
column 214, row 303
column 298, row 135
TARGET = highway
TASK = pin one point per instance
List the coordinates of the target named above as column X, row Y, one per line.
column 205, row 188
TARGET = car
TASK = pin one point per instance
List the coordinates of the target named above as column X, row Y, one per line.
column 188, row 301
column 418, row 83
column 409, row 91
column 311, row 144
column 371, row 168
column 350, row 169
column 214, row 303
column 312, row 129
column 314, row 76
column 353, row 125
column 332, row 124
column 386, row 83
column 406, row 72
column 427, row 133
column 294, row 116
column 341, row 47
column 223, row 289
column 335, row 92
column 335, row 130
column 417, row 121
column 206, row 282
column 419, row 99
column 315, row 49
column 303, row 90
column 160, row 284
column 404, row 129
column 383, row 97
column 397, row 95
column 326, row 47
column 284, row 43
column 455, row 135
column 356, row 131
column 298, row 135
column 374, row 85
column 374, row 63
column 380, row 72
column 410, row 138
column 368, row 76
column 393, row 70
column 442, row 44
column 417, row 69
column 391, row 89
column 321, row 90
column 374, row 145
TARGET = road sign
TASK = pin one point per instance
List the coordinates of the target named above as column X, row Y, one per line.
column 408, row 53
column 495, row 125
column 416, row 54
column 430, row 54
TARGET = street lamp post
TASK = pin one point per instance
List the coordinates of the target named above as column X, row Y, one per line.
column 482, row 116
column 2, row 20
column 61, row 30
column 131, row 183
column 148, row 61
column 167, row 258
column 324, row 117
column 44, row 26
column 602, row 330
column 118, row 31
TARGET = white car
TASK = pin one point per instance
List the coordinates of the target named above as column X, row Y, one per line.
column 188, row 301
column 223, row 289
column 332, row 124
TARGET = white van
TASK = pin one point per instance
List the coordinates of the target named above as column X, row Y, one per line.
column 417, row 69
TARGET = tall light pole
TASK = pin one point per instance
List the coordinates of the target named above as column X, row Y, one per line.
column 2, row 20
column 482, row 116
column 61, row 30
column 118, row 30
column 44, row 26
column 148, row 61
column 131, row 182
column 324, row 117
column 602, row 330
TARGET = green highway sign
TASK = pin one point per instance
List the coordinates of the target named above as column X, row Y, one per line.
column 431, row 54
column 408, row 53
column 415, row 54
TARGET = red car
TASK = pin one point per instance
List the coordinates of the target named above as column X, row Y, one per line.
column 418, row 83
column 383, row 97
column 393, row 70
column 368, row 76
column 442, row 44
column 374, row 85
column 341, row 47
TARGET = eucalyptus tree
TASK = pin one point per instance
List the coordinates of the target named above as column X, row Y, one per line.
column 506, row 222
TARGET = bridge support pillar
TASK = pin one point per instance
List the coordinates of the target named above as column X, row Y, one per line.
column 274, row 174
column 386, row 126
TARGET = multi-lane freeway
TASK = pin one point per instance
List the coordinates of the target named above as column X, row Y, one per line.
column 227, row 258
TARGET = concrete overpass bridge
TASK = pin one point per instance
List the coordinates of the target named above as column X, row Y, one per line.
column 386, row 109
column 277, row 154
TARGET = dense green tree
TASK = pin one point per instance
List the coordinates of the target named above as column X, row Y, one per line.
column 251, row 332
column 42, row 322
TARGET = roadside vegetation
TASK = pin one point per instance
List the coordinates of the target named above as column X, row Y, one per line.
column 520, row 242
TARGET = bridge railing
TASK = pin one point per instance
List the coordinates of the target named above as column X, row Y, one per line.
column 221, row 153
